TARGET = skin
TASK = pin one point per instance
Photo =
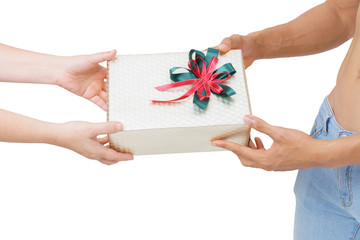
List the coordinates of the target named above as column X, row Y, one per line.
column 81, row 75
column 323, row 27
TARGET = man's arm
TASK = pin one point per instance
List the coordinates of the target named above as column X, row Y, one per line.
column 293, row 149
column 323, row 27
column 80, row 137
column 81, row 75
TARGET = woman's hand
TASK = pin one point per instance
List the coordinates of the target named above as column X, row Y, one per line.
column 84, row 76
column 82, row 137
column 291, row 149
column 245, row 43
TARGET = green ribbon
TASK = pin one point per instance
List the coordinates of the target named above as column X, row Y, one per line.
column 227, row 91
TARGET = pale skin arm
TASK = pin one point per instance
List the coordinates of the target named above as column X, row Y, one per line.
column 80, row 137
column 321, row 28
column 81, row 75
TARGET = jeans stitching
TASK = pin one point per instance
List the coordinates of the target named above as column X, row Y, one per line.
column 316, row 134
column 355, row 232
column 349, row 179
column 349, row 188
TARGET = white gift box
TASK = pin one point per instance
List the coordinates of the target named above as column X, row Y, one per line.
column 156, row 128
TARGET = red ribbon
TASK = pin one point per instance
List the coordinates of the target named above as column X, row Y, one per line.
column 206, row 80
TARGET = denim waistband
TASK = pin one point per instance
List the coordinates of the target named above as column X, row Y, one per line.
column 327, row 123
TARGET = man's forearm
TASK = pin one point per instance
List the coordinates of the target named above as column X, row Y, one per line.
column 18, row 128
column 339, row 152
column 17, row 65
column 323, row 27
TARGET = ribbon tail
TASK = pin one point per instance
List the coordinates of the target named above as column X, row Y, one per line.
column 175, row 84
column 227, row 91
column 187, row 94
column 200, row 103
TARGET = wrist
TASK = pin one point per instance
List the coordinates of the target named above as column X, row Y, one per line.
column 332, row 153
column 54, row 66
column 319, row 152
column 53, row 134
column 267, row 43
column 255, row 38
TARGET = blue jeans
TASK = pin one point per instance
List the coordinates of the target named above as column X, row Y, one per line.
column 327, row 200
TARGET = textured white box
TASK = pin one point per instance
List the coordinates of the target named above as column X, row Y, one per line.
column 156, row 128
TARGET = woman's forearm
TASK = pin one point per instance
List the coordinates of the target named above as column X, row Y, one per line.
column 17, row 65
column 18, row 128
column 321, row 28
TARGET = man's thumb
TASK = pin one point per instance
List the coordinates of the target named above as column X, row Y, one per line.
column 260, row 125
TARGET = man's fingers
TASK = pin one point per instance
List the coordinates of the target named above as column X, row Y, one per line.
column 101, row 57
column 233, row 42
column 241, row 151
column 106, row 128
column 259, row 143
column 251, row 144
column 261, row 126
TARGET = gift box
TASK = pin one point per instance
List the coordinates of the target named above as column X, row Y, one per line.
column 177, row 102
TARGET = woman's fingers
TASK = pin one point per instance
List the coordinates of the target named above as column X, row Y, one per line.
column 103, row 140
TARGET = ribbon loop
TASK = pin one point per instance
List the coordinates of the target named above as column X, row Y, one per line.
column 204, row 76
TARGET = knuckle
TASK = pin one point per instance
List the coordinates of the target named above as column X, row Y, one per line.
column 90, row 156
column 280, row 133
column 255, row 124
column 267, row 169
column 245, row 163
column 109, row 156
column 109, row 127
column 106, row 162
column 226, row 40
column 235, row 36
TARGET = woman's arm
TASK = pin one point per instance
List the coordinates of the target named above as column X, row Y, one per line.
column 81, row 75
column 80, row 137
column 17, row 65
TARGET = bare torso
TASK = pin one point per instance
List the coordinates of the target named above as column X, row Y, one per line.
column 345, row 97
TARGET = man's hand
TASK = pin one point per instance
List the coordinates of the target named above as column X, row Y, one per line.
column 81, row 137
column 245, row 43
column 84, row 76
column 291, row 149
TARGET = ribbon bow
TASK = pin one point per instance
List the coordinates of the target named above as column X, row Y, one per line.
column 203, row 75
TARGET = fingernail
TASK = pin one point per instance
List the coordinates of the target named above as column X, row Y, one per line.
column 130, row 157
column 248, row 119
column 118, row 126
column 214, row 143
column 223, row 46
column 112, row 51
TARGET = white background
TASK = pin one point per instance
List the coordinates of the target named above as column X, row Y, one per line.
column 51, row 193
